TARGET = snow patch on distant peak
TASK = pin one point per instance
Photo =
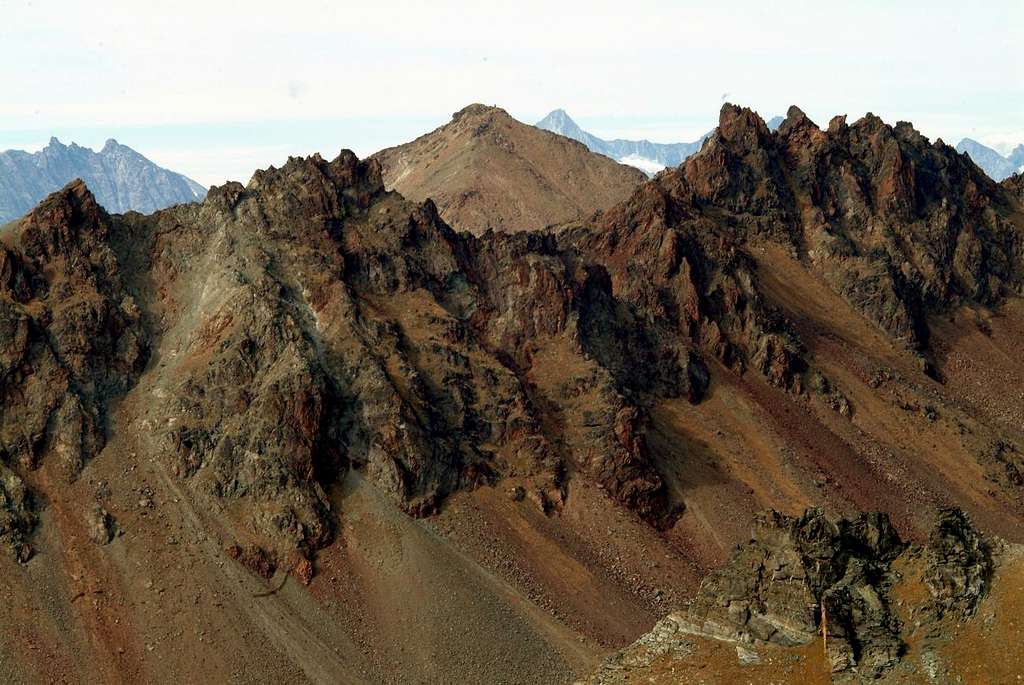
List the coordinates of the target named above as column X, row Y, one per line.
column 648, row 166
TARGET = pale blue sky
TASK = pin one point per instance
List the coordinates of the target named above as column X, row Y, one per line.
column 216, row 89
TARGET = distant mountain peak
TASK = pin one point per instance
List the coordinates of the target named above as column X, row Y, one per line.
column 558, row 121
column 642, row 154
column 991, row 162
column 121, row 178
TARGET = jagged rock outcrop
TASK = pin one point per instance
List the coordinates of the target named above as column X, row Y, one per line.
column 17, row 514
column 71, row 342
column 958, row 566
column 850, row 584
column 220, row 394
column 315, row 323
column 71, row 335
column 897, row 226
column 797, row 573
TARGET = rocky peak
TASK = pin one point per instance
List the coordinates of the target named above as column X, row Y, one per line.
column 827, row 194
column 795, row 120
column 66, row 222
column 121, row 178
column 477, row 112
column 346, row 176
column 560, row 122
column 837, row 124
column 741, row 125
column 71, row 342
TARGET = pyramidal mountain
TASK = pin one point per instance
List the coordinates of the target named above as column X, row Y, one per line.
column 485, row 170
column 991, row 162
column 121, row 178
column 304, row 431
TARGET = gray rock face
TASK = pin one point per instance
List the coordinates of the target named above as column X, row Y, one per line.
column 801, row 578
column 1017, row 157
column 625, row 151
column 794, row 571
column 959, row 565
column 17, row 514
column 120, row 177
column 990, row 161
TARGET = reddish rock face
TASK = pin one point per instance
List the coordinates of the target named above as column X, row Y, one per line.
column 312, row 323
column 279, row 365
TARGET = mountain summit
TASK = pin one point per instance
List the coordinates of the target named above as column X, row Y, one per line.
column 486, row 170
column 120, row 177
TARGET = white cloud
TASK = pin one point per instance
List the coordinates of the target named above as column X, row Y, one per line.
column 648, row 166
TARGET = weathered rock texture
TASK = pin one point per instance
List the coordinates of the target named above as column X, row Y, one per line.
column 766, row 325
column 848, row 584
column 897, row 226
column 793, row 572
column 313, row 322
column 71, row 342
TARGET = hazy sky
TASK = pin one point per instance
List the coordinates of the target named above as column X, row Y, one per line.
column 215, row 89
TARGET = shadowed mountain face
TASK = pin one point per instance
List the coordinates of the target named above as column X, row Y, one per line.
column 431, row 433
column 121, row 178
column 487, row 171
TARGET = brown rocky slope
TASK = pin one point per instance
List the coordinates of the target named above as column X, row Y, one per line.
column 485, row 170
column 577, row 422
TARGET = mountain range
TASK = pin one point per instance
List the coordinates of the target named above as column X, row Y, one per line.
column 994, row 164
column 122, row 179
column 767, row 404
column 643, row 154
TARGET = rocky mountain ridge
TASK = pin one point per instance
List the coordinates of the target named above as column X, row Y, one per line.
column 122, row 179
column 294, row 374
